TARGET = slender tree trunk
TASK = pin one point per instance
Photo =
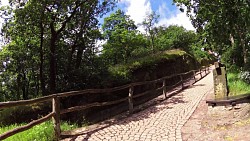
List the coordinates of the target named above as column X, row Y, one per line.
column 244, row 51
column 52, row 62
column 79, row 56
column 70, row 58
column 42, row 81
column 25, row 96
column 18, row 85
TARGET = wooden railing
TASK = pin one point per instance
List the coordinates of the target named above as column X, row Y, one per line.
column 57, row 111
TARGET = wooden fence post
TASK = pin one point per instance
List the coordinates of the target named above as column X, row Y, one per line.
column 194, row 76
column 200, row 73
column 56, row 117
column 205, row 70
column 182, row 85
column 164, row 88
column 130, row 99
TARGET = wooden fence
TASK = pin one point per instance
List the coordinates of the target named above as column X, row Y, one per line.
column 57, row 111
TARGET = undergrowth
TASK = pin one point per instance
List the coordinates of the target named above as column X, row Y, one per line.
column 236, row 85
column 41, row 132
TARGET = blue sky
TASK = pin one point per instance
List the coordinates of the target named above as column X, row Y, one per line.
column 169, row 13
column 137, row 9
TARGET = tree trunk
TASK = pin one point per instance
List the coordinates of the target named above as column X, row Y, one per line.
column 42, row 82
column 73, row 49
column 245, row 51
column 24, row 81
column 79, row 56
column 52, row 62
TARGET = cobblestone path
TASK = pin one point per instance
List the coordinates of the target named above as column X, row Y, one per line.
column 161, row 122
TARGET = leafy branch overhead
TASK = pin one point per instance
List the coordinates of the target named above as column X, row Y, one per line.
column 54, row 45
column 225, row 25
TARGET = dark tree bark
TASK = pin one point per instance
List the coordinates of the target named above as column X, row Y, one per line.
column 52, row 61
column 79, row 56
column 41, row 75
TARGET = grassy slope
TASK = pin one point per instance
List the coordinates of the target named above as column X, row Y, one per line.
column 41, row 132
column 123, row 70
column 236, row 85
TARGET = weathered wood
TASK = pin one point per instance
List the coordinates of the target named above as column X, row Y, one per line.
column 220, row 83
column 130, row 100
column 93, row 91
column 231, row 100
column 217, row 65
column 88, row 91
column 25, row 102
column 182, row 83
column 194, row 76
column 144, row 93
column 26, row 127
column 56, row 102
column 164, row 88
column 178, row 83
column 56, row 117
column 96, row 104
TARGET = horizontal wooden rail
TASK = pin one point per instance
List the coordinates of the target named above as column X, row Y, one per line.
column 25, row 102
column 96, row 104
column 88, row 91
column 25, row 127
column 55, row 98
column 147, row 92
column 93, row 91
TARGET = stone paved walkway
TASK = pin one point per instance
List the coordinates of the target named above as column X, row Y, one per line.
column 162, row 122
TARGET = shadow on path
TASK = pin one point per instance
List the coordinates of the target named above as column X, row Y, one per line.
column 141, row 112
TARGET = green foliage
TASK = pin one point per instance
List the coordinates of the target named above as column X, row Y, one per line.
column 123, row 71
column 224, row 24
column 48, row 45
column 175, row 37
column 149, row 23
column 236, row 85
column 123, row 38
column 21, row 114
column 41, row 132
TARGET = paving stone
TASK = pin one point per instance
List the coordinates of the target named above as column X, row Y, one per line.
column 161, row 122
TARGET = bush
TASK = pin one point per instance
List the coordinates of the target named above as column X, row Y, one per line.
column 245, row 76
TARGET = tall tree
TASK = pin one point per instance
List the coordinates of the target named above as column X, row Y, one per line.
column 173, row 37
column 223, row 22
column 120, row 32
column 149, row 23
column 50, row 30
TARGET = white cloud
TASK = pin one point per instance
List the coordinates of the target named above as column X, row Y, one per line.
column 180, row 19
column 163, row 10
column 4, row 2
column 176, row 18
column 137, row 9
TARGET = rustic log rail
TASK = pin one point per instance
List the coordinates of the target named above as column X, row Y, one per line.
column 55, row 99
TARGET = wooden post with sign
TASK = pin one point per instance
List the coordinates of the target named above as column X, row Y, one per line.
column 220, row 81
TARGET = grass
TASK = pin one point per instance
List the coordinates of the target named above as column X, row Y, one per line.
column 236, row 85
column 41, row 132
column 149, row 61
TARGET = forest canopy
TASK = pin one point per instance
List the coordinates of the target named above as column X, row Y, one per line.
column 51, row 45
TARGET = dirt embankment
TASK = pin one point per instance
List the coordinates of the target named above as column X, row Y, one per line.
column 218, row 123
